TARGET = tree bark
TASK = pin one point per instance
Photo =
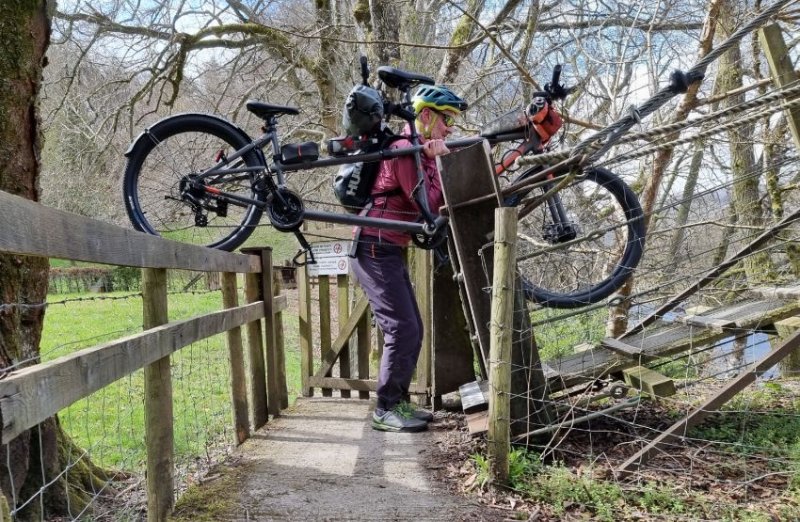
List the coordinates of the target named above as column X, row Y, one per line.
column 38, row 455
column 745, row 196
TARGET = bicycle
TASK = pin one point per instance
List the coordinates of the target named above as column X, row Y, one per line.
column 582, row 234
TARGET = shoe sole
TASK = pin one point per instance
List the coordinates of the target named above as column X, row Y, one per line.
column 385, row 427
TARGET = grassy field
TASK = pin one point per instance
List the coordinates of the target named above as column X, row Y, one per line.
column 110, row 423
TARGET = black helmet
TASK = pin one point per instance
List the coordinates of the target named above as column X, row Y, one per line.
column 363, row 111
column 439, row 98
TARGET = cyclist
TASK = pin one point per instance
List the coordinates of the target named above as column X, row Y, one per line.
column 379, row 263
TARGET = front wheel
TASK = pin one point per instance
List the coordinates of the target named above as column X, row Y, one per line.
column 163, row 197
column 589, row 251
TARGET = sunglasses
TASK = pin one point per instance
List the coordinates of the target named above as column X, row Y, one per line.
column 448, row 119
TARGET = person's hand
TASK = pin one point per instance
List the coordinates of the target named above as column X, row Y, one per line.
column 433, row 148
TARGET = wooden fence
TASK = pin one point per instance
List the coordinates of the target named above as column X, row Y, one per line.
column 32, row 394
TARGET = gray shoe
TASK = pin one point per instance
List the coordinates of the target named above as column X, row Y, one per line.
column 409, row 408
column 397, row 420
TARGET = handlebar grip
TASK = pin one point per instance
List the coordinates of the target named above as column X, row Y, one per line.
column 556, row 76
column 364, row 70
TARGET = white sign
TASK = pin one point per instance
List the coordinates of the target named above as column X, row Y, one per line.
column 331, row 258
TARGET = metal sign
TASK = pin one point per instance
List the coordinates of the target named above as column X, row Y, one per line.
column 331, row 258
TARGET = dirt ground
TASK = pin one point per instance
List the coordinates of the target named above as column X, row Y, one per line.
column 321, row 461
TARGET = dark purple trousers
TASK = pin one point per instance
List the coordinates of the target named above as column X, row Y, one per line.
column 381, row 271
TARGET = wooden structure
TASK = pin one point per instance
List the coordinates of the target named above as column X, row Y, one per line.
column 349, row 350
column 27, row 228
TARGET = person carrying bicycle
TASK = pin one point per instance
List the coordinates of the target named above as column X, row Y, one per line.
column 379, row 265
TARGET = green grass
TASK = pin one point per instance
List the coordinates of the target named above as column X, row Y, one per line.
column 587, row 497
column 557, row 338
column 110, row 422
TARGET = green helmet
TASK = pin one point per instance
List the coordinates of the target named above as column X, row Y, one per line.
column 439, row 98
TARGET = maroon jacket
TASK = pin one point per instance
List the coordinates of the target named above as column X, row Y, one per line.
column 401, row 172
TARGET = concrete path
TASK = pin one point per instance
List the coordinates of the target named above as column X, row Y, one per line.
column 321, row 460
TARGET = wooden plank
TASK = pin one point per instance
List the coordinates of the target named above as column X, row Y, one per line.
column 364, row 335
column 158, row 415
column 471, row 226
column 453, row 351
column 707, row 322
column 478, row 422
column 280, row 348
column 649, row 381
column 241, row 422
column 325, row 333
column 423, row 279
column 343, row 295
column 713, row 404
column 789, row 292
column 306, row 334
column 620, row 347
column 77, row 375
column 30, row 228
column 341, row 341
column 366, row 385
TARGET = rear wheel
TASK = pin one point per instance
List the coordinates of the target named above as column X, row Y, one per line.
column 590, row 252
column 162, row 197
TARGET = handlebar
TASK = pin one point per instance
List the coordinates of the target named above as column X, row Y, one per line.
column 556, row 90
column 364, row 70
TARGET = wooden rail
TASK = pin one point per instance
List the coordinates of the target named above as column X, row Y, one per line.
column 31, row 394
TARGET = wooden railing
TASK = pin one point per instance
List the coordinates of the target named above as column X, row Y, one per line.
column 31, row 394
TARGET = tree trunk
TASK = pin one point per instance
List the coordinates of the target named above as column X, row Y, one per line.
column 618, row 315
column 37, row 456
column 746, row 200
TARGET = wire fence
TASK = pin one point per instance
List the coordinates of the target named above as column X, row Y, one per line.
column 745, row 454
column 92, row 458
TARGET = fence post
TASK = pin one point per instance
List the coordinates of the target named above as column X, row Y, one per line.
column 306, row 340
column 343, row 298
column 255, row 348
column 280, row 353
column 423, row 281
column 241, row 423
column 324, row 288
column 364, row 333
column 501, row 330
column 159, row 429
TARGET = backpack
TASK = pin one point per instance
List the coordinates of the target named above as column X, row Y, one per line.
column 352, row 184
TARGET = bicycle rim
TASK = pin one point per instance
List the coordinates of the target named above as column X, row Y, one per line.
column 561, row 271
column 162, row 160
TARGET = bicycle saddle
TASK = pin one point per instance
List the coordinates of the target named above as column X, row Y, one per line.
column 397, row 79
column 265, row 110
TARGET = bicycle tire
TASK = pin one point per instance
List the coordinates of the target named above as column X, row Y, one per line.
column 168, row 151
column 589, row 268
